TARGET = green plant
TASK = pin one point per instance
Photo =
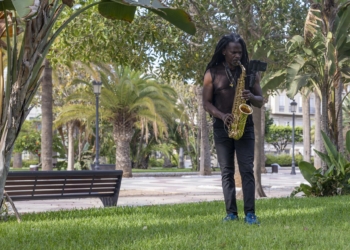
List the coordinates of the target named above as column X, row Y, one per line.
column 27, row 163
column 283, row 159
column 175, row 160
column 155, row 163
column 61, row 165
column 335, row 180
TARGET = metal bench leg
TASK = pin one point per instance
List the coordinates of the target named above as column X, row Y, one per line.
column 108, row 201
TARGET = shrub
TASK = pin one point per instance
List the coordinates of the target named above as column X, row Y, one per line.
column 283, row 159
column 61, row 165
column 335, row 180
column 27, row 163
column 175, row 160
column 155, row 163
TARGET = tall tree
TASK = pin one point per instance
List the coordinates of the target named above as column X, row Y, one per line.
column 25, row 64
column 46, row 118
column 306, row 126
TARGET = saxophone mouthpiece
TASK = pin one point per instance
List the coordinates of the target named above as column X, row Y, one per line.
column 236, row 63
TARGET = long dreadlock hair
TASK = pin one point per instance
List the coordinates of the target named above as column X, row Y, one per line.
column 218, row 57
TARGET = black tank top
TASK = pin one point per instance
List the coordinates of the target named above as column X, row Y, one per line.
column 223, row 93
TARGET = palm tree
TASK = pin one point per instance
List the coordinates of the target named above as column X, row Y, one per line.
column 46, row 118
column 129, row 99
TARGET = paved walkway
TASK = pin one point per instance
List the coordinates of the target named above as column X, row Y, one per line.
column 143, row 190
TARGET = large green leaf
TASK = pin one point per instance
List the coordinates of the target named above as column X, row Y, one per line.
column 24, row 8
column 307, row 170
column 331, row 149
column 298, row 82
column 7, row 5
column 348, row 141
column 324, row 157
column 272, row 80
column 293, row 70
column 294, row 43
column 112, row 10
column 125, row 10
column 342, row 23
column 331, row 59
column 177, row 17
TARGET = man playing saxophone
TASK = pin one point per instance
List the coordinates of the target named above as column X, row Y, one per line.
column 227, row 72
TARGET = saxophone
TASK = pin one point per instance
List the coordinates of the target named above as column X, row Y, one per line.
column 240, row 109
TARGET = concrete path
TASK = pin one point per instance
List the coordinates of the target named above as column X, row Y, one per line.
column 144, row 190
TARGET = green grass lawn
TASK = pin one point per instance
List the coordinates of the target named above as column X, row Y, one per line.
column 298, row 223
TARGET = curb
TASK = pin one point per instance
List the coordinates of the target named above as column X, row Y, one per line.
column 181, row 174
column 173, row 174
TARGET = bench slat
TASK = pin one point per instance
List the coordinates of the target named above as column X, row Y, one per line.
column 30, row 187
column 53, row 197
column 54, row 182
column 29, row 178
column 59, row 191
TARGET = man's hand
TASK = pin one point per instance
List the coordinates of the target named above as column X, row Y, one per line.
column 247, row 95
column 227, row 119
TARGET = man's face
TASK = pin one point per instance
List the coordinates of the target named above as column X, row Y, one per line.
column 233, row 53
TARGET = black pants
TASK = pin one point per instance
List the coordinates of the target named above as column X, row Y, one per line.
column 225, row 149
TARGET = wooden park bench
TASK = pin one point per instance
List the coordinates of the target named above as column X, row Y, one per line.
column 44, row 185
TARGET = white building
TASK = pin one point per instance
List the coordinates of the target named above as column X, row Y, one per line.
column 279, row 107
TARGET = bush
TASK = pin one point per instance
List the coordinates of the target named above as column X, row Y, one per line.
column 155, row 163
column 27, row 163
column 282, row 159
column 61, row 165
column 175, row 160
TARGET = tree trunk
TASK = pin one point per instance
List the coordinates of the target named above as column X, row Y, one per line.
column 70, row 146
column 205, row 161
column 181, row 158
column 167, row 162
column 262, row 151
column 339, row 112
column 306, row 127
column 17, row 160
column 317, row 144
column 324, row 123
column 258, row 151
column 47, row 118
column 122, row 134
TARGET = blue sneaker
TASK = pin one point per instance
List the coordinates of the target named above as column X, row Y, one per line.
column 251, row 219
column 230, row 217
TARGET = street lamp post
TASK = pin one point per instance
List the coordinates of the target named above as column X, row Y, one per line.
column 97, row 91
column 293, row 109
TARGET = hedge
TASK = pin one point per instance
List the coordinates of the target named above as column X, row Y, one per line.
column 283, row 159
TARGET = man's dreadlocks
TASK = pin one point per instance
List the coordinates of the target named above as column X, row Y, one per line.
column 218, row 57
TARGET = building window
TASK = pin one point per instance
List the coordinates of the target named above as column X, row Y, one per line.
column 312, row 110
column 281, row 103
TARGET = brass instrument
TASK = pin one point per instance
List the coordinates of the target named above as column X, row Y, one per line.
column 240, row 109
